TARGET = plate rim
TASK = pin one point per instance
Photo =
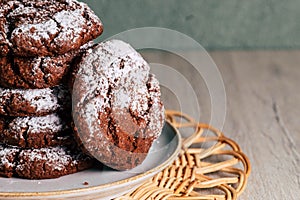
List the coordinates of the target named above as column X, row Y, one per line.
column 107, row 185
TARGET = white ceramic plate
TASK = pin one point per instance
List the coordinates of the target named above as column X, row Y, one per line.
column 102, row 184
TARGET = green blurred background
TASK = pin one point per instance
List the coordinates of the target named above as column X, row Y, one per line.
column 216, row 24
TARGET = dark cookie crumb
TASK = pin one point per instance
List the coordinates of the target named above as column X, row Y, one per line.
column 85, row 183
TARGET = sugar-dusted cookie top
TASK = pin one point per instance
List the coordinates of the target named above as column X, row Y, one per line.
column 46, row 28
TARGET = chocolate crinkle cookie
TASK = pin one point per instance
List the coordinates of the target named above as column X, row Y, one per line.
column 37, row 72
column 36, row 132
column 117, row 108
column 34, row 73
column 45, row 28
column 34, row 102
column 43, row 163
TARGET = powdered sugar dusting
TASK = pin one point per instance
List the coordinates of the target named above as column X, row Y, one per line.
column 156, row 112
column 128, row 86
column 41, row 99
column 91, row 115
column 39, row 31
column 118, row 62
column 46, row 28
column 56, row 158
column 120, row 65
column 7, row 155
column 47, row 123
column 22, row 10
column 71, row 23
column 45, row 159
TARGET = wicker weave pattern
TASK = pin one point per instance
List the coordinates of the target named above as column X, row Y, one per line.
column 218, row 171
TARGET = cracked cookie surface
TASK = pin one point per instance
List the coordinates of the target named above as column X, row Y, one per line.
column 34, row 73
column 33, row 102
column 37, row 72
column 42, row 163
column 117, row 109
column 36, row 132
column 46, row 28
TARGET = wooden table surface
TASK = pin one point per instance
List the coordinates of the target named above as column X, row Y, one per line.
column 263, row 115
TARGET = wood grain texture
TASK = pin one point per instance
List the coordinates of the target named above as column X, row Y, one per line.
column 263, row 116
column 263, row 109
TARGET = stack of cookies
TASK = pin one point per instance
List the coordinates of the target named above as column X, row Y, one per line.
column 39, row 41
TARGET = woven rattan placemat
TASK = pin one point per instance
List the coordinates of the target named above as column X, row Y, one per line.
column 210, row 166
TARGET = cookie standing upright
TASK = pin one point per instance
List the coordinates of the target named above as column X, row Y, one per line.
column 46, row 28
column 117, row 108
